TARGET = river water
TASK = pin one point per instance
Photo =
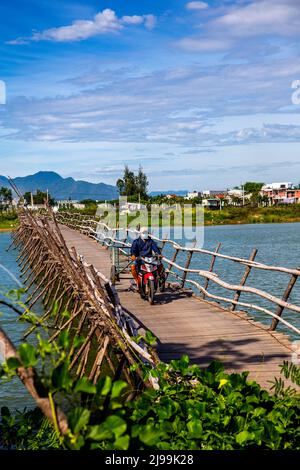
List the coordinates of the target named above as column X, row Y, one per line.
column 12, row 394
column 277, row 244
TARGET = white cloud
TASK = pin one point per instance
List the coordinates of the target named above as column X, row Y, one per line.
column 204, row 44
column 182, row 106
column 253, row 19
column 262, row 17
column 196, row 6
column 135, row 19
column 103, row 23
column 150, row 21
column 267, row 133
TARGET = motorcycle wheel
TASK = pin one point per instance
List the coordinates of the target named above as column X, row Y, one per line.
column 142, row 291
column 151, row 291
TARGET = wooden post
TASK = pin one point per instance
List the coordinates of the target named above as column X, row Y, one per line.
column 187, row 265
column 212, row 263
column 173, row 261
column 285, row 297
column 244, row 279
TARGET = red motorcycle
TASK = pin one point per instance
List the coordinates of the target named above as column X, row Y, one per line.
column 152, row 277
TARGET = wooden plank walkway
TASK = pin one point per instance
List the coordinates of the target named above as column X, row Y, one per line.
column 187, row 325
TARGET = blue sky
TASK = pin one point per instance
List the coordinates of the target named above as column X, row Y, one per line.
column 197, row 92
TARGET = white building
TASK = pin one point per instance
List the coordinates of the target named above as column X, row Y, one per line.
column 213, row 193
column 212, row 203
column 131, row 207
column 276, row 186
column 236, row 193
column 192, row 195
column 36, row 207
column 233, row 195
column 70, row 204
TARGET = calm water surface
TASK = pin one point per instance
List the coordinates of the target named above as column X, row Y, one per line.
column 12, row 394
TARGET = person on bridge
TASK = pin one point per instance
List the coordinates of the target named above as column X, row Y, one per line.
column 142, row 246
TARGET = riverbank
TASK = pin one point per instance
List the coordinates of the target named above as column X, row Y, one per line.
column 253, row 215
column 8, row 227
column 8, row 221
column 227, row 216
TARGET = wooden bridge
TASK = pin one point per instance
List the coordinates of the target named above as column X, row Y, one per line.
column 65, row 263
column 187, row 324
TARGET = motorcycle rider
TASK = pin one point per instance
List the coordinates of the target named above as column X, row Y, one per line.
column 142, row 246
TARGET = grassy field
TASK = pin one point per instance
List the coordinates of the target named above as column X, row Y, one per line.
column 227, row 216
column 232, row 216
column 253, row 215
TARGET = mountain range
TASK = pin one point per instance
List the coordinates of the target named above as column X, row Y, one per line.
column 62, row 188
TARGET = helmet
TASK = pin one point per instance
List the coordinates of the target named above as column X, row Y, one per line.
column 144, row 233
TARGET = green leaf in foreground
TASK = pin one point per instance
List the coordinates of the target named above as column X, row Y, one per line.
column 28, row 355
column 78, row 419
column 243, row 437
column 113, row 426
column 61, row 377
column 13, row 363
column 147, row 434
column 117, row 388
column 84, row 385
column 195, row 428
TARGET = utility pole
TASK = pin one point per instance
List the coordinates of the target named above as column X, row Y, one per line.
column 31, row 199
column 243, row 194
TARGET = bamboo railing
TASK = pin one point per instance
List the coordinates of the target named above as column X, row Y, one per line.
column 98, row 230
column 63, row 281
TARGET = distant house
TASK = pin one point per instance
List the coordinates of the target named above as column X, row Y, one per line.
column 281, row 193
column 236, row 197
column 192, row 195
column 214, row 193
column 212, row 204
column 236, row 193
column 70, row 204
column 131, row 207
column 277, row 186
column 36, row 207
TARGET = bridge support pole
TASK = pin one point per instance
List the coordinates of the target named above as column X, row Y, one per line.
column 243, row 280
column 212, row 263
column 173, row 261
column 285, row 297
column 187, row 265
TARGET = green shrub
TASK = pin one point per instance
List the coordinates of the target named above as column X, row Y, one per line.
column 193, row 407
